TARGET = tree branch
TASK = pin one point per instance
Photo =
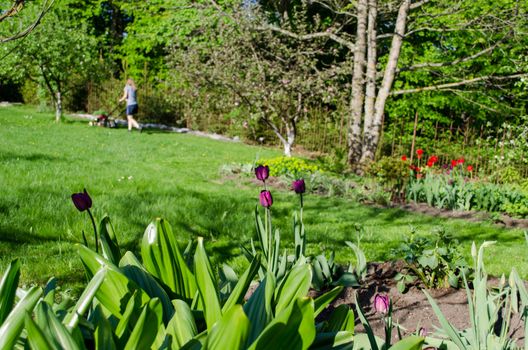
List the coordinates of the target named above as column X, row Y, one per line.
column 459, row 83
column 23, row 33
column 418, row 4
column 452, row 63
column 310, row 36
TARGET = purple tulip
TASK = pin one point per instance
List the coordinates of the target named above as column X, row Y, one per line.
column 422, row 332
column 381, row 303
column 82, row 200
column 265, row 198
column 298, row 186
column 262, row 172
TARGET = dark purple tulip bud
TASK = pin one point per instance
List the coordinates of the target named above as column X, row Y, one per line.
column 82, row 200
column 381, row 303
column 422, row 332
column 262, row 172
column 265, row 198
column 298, row 186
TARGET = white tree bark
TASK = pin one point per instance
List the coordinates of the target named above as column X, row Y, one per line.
column 58, row 107
column 358, row 86
column 372, row 59
column 371, row 139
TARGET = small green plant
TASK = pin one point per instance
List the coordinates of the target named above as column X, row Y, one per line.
column 490, row 311
column 436, row 262
column 392, row 173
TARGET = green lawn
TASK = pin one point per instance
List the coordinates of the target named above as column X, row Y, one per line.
column 137, row 177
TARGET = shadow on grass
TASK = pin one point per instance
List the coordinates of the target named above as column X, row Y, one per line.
column 32, row 157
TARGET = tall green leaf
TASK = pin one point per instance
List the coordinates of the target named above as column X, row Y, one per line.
column 103, row 334
column 259, row 307
column 146, row 328
column 181, row 327
column 447, row 327
column 135, row 271
column 162, row 258
column 35, row 336
column 240, row 289
column 413, row 342
column 85, row 300
column 109, row 245
column 342, row 319
column 8, row 287
column 293, row 328
column 14, row 323
column 343, row 340
column 206, row 285
column 116, row 290
column 296, row 284
column 53, row 328
column 230, row 332
column 324, row 300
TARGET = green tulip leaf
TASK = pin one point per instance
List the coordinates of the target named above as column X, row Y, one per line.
column 35, row 336
column 230, row 332
column 294, row 285
column 135, row 271
column 181, row 327
column 146, row 328
column 8, row 287
column 109, row 245
column 14, row 323
column 293, row 326
column 206, row 286
column 162, row 258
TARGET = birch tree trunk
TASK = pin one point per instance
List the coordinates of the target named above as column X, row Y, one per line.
column 371, row 138
column 372, row 59
column 358, row 86
column 58, row 107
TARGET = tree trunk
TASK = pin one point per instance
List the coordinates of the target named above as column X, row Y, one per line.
column 291, row 131
column 371, row 139
column 371, row 77
column 290, row 138
column 58, row 107
column 358, row 93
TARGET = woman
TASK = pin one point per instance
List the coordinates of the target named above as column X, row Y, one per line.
column 132, row 106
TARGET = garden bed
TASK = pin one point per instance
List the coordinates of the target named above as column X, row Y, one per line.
column 473, row 216
column 412, row 310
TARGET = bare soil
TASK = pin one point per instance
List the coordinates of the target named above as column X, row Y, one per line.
column 412, row 309
column 473, row 216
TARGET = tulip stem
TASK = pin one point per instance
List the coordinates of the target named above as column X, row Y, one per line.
column 95, row 231
column 302, row 205
column 270, row 241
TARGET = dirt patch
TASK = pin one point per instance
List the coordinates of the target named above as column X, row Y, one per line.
column 411, row 310
column 473, row 216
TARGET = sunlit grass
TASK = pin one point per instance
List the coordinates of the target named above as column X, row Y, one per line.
column 136, row 177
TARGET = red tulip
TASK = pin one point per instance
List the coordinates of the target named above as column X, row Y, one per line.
column 461, row 161
column 266, row 200
column 430, row 163
column 404, row 158
column 82, row 201
column 470, row 168
column 454, row 163
column 381, row 303
column 419, row 153
column 262, row 172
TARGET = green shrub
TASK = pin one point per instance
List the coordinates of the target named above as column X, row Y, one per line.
column 291, row 166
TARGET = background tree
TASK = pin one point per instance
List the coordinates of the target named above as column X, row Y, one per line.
column 56, row 55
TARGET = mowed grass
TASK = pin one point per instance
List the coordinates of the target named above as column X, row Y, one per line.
column 135, row 178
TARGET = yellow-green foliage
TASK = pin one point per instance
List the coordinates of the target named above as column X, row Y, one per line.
column 288, row 166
